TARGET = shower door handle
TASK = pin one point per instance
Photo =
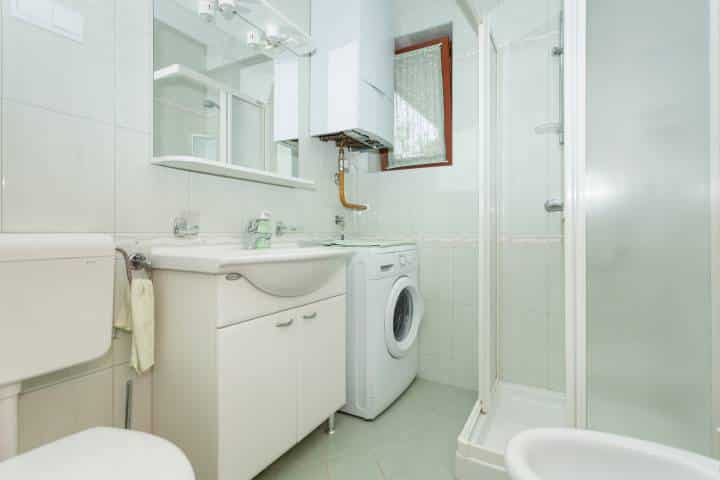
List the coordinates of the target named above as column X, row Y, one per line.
column 554, row 205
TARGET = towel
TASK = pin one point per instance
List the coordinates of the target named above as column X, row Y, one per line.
column 142, row 303
column 122, row 317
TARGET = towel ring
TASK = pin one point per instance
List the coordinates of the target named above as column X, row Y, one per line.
column 136, row 262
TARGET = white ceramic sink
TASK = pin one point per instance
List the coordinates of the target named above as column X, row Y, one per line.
column 282, row 272
column 564, row 454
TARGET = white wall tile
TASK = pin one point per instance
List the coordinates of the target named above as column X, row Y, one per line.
column 436, row 275
column 141, row 418
column 437, row 328
column 58, row 172
column 449, row 333
column 61, row 74
column 437, row 368
column 50, row 413
column 134, row 69
column 532, row 329
column 465, row 275
column 465, row 352
column 134, row 15
column 148, row 196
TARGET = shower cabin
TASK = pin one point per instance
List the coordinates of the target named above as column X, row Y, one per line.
column 599, row 214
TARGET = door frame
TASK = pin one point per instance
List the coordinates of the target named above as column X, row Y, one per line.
column 714, row 16
column 485, row 382
column 575, row 12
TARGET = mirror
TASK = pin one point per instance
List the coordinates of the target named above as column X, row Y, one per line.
column 226, row 84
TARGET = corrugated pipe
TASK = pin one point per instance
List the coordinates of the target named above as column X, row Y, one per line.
column 341, row 182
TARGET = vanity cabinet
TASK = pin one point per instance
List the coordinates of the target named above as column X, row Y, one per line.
column 241, row 376
column 279, row 377
column 257, row 393
column 322, row 382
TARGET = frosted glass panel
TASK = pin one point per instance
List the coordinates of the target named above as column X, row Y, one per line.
column 648, row 231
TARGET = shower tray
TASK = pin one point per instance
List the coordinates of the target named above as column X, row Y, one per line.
column 515, row 408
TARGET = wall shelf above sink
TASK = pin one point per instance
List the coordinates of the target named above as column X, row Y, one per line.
column 199, row 165
column 177, row 71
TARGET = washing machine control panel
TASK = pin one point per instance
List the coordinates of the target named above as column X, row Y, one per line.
column 407, row 259
column 395, row 263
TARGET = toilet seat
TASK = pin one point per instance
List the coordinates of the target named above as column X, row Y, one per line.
column 101, row 453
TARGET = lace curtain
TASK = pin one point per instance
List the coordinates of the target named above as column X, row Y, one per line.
column 419, row 108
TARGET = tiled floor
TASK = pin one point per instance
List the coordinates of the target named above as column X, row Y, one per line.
column 414, row 439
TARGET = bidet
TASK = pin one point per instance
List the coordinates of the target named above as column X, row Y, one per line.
column 567, row 454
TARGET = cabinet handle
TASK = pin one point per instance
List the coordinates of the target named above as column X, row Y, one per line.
column 310, row 316
column 285, row 324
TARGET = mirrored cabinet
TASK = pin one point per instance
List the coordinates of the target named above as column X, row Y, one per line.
column 227, row 88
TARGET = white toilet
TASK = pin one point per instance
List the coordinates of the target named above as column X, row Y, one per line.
column 56, row 307
column 101, row 453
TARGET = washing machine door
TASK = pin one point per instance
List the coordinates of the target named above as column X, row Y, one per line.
column 403, row 315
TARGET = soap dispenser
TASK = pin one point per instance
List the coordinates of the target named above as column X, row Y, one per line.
column 262, row 228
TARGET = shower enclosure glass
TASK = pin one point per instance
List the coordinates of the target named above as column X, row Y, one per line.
column 649, row 324
column 526, row 344
column 530, row 265
column 620, row 202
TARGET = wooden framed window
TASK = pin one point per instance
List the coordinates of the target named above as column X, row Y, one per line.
column 423, row 107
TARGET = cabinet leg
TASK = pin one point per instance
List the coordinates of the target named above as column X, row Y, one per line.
column 331, row 424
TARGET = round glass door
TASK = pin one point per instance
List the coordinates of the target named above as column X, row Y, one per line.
column 402, row 317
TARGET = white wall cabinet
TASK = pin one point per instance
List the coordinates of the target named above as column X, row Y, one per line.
column 236, row 396
column 352, row 71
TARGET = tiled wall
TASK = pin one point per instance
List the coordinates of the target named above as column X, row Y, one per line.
column 531, row 334
column 76, row 145
column 449, row 334
column 438, row 208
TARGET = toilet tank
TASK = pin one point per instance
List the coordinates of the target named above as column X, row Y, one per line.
column 56, row 302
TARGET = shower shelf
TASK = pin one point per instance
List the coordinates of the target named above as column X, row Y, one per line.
column 200, row 165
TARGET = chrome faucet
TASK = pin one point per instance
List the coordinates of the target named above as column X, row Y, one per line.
column 340, row 222
column 282, row 228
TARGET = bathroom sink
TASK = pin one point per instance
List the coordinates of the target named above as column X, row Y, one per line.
column 564, row 454
column 282, row 272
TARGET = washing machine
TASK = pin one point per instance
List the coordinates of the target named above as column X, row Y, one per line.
column 385, row 309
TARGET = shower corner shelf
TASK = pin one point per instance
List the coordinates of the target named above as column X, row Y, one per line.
column 199, row 165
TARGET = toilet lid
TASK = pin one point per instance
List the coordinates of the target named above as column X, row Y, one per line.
column 101, row 453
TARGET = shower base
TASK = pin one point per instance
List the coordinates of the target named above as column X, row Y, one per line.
column 481, row 444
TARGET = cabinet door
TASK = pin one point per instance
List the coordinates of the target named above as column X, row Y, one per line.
column 257, row 394
column 322, row 362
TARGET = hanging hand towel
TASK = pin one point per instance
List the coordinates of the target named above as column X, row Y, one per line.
column 122, row 315
column 142, row 301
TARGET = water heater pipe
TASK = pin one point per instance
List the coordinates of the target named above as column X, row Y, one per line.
column 341, row 182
